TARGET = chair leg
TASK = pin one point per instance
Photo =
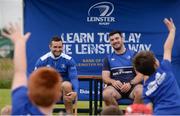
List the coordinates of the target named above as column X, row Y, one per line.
column 75, row 106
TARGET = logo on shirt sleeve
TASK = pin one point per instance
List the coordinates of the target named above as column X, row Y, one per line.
column 152, row 86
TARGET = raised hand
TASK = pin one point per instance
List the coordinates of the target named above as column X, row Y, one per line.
column 170, row 24
column 13, row 32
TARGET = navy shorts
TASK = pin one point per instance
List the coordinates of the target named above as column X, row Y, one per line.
column 124, row 95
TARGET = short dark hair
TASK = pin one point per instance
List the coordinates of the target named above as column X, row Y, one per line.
column 115, row 32
column 144, row 62
column 55, row 38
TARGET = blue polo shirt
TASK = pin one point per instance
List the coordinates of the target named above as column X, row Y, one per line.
column 64, row 64
column 21, row 105
column 162, row 90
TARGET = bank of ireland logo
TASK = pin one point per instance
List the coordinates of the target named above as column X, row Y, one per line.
column 101, row 13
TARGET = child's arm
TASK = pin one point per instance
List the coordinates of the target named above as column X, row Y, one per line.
column 19, row 40
column 170, row 39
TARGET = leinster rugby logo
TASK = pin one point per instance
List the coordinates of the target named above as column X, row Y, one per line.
column 101, row 13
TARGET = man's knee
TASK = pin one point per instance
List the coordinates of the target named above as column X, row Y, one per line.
column 67, row 86
column 108, row 94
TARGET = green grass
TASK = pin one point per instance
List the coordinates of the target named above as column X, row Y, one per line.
column 7, row 69
column 5, row 97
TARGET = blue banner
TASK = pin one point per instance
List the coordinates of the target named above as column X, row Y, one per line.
column 84, row 27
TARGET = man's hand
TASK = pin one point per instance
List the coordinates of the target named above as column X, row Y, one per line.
column 125, row 87
column 69, row 97
column 116, row 84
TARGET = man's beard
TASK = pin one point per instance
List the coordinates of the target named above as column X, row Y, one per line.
column 117, row 49
column 55, row 55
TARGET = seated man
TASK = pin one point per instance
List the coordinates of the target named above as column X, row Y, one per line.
column 66, row 66
column 160, row 89
column 38, row 96
column 118, row 73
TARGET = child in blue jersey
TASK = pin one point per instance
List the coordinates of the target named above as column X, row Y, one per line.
column 38, row 96
column 66, row 66
column 161, row 90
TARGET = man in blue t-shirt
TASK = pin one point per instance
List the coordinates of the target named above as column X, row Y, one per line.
column 160, row 89
column 66, row 66
column 38, row 96
column 118, row 73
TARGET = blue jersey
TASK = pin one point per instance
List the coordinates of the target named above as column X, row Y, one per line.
column 21, row 105
column 120, row 66
column 64, row 64
column 162, row 90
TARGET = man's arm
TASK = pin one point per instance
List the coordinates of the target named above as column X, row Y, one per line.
column 137, row 79
column 38, row 64
column 72, row 72
column 106, row 77
column 127, row 86
column 170, row 39
column 19, row 40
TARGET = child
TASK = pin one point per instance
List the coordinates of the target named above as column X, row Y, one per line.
column 160, row 89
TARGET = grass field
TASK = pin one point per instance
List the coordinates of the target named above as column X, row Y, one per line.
column 6, row 68
column 5, row 99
